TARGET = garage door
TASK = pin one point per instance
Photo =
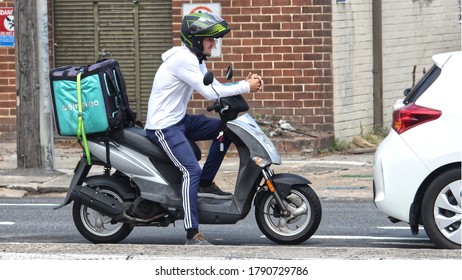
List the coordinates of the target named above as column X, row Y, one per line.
column 135, row 33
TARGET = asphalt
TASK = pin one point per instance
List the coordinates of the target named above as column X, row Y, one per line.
column 333, row 176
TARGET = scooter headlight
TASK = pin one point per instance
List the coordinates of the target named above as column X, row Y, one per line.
column 260, row 162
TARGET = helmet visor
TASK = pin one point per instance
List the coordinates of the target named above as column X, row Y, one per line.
column 209, row 25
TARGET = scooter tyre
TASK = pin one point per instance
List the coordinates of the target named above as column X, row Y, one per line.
column 96, row 227
column 269, row 221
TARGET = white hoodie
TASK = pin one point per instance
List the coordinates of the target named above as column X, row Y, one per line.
column 178, row 76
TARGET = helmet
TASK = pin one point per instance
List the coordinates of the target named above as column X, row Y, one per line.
column 197, row 26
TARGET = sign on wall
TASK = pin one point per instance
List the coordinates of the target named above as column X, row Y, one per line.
column 6, row 27
column 205, row 7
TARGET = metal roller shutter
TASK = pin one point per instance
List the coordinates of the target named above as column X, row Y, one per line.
column 135, row 33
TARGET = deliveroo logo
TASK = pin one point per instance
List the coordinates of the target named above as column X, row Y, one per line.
column 74, row 106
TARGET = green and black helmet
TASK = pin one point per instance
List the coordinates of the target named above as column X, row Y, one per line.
column 197, row 26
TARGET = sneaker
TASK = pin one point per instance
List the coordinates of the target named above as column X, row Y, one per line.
column 214, row 191
column 198, row 240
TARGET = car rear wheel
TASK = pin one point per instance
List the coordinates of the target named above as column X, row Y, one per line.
column 441, row 210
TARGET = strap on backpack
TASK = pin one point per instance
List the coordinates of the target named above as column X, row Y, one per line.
column 80, row 125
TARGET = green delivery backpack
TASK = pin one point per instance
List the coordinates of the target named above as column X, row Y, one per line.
column 96, row 94
column 89, row 100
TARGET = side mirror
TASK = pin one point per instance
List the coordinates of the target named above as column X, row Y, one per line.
column 407, row 91
column 208, row 78
column 229, row 73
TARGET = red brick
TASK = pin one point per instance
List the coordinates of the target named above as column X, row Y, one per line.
column 8, row 120
column 272, row 103
column 282, row 49
column 281, row 2
column 243, row 65
column 251, row 42
column 303, row 96
column 241, row 34
column 7, row 88
column 272, row 57
column 292, row 10
column 241, row 19
column 7, row 104
column 272, row 72
column 284, row 80
column 262, row 3
column 252, row 57
column 282, row 18
column 265, row 95
column 293, row 88
column 275, row 88
column 261, row 18
column 251, row 11
column 262, row 65
column 271, row 10
column 291, row 25
column 283, row 33
column 262, row 34
column 284, row 65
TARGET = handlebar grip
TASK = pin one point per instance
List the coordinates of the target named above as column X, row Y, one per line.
column 214, row 106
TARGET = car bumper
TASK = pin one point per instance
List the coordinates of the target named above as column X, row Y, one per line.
column 398, row 174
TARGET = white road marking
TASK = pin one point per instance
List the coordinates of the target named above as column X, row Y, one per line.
column 7, row 223
column 391, row 227
column 347, row 237
column 28, row 204
column 405, row 243
column 336, row 162
column 366, row 237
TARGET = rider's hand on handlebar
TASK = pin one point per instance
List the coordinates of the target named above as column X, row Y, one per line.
column 255, row 82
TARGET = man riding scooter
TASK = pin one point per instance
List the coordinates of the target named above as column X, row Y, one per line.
column 170, row 127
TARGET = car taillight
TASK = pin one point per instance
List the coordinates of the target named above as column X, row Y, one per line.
column 411, row 116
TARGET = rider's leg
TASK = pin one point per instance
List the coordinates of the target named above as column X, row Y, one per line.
column 200, row 127
column 177, row 147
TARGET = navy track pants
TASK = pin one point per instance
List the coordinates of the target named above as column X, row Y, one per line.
column 174, row 141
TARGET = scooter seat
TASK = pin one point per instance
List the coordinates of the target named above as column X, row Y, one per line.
column 136, row 138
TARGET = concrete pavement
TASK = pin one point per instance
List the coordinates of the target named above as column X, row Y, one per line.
column 333, row 176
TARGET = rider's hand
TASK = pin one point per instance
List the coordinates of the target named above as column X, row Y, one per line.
column 255, row 82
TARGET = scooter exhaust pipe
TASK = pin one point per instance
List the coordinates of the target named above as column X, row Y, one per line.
column 98, row 201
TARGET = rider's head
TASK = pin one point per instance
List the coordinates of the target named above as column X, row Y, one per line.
column 195, row 27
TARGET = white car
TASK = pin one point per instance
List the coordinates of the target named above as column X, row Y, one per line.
column 417, row 167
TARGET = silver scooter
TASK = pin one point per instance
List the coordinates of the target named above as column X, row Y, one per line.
column 145, row 188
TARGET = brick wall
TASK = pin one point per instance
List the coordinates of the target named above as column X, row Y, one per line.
column 289, row 43
column 7, row 88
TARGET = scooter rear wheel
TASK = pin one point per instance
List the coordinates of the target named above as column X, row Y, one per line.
column 305, row 208
column 96, row 227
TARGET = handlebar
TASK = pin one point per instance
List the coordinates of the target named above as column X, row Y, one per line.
column 215, row 106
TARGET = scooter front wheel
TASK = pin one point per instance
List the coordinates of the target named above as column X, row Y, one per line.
column 305, row 215
column 99, row 228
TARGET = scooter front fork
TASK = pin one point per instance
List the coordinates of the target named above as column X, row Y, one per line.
column 269, row 183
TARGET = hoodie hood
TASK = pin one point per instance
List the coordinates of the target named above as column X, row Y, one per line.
column 166, row 55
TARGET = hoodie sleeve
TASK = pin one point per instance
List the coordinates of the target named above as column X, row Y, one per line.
column 191, row 74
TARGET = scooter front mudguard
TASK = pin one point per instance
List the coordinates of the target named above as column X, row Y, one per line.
column 283, row 182
column 80, row 173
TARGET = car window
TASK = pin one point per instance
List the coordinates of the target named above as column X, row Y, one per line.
column 425, row 82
